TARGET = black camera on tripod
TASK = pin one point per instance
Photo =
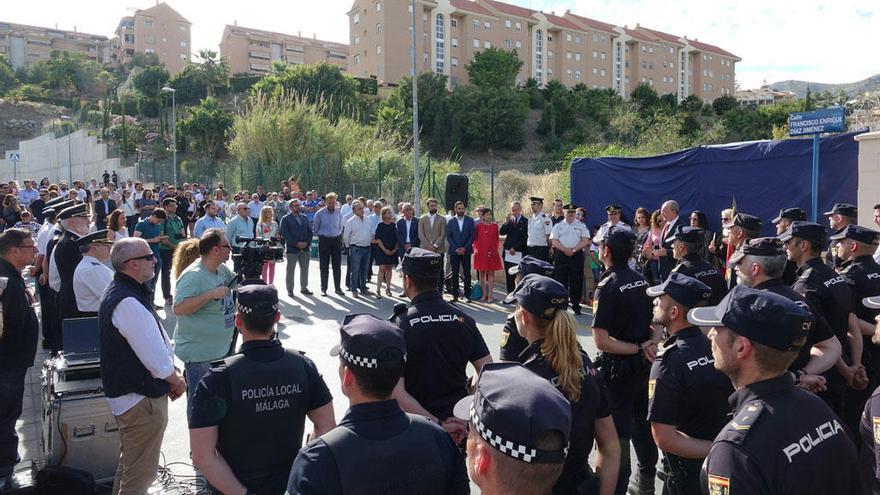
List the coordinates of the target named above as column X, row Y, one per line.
column 254, row 252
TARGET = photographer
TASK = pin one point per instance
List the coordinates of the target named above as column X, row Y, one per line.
column 174, row 231
column 240, row 226
column 204, row 309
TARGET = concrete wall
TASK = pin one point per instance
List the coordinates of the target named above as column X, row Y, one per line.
column 869, row 176
column 75, row 156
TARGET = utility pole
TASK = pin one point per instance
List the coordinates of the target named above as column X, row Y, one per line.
column 168, row 89
column 417, row 202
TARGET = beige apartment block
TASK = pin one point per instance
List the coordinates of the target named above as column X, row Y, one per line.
column 571, row 49
column 159, row 29
column 252, row 51
column 24, row 45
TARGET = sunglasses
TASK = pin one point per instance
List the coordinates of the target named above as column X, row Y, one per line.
column 145, row 257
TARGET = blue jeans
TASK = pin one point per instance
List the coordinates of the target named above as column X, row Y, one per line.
column 359, row 259
column 11, row 395
column 193, row 372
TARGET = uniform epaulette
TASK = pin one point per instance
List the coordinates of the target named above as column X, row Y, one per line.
column 219, row 364
column 676, row 269
column 739, row 427
column 805, row 275
column 603, row 282
column 665, row 348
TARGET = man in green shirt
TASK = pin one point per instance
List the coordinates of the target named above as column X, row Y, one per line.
column 204, row 309
column 150, row 229
column 174, row 231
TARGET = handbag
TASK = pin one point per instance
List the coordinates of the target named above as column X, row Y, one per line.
column 476, row 291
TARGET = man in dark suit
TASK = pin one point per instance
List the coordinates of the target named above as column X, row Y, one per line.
column 516, row 228
column 103, row 207
column 407, row 230
column 460, row 236
column 669, row 213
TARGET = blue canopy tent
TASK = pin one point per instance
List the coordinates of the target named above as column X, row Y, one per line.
column 764, row 176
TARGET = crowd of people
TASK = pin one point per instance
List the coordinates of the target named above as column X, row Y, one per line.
column 736, row 363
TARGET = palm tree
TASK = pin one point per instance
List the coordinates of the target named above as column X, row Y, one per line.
column 213, row 70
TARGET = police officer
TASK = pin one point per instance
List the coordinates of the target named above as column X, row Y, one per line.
column 759, row 265
column 687, row 396
column 66, row 256
column 92, row 275
column 627, row 344
column 830, row 295
column 783, row 222
column 510, row 448
column 741, row 228
column 377, row 448
column 841, row 215
column 249, row 411
column 52, row 332
column 570, row 238
column 869, row 426
column 554, row 354
column 540, row 226
column 47, row 295
column 687, row 243
column 855, row 248
column 440, row 341
column 512, row 343
column 781, row 439
column 614, row 213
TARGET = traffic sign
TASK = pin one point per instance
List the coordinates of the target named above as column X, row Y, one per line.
column 14, row 157
column 817, row 121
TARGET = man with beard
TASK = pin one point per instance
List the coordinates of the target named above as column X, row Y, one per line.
column 328, row 227
column 432, row 234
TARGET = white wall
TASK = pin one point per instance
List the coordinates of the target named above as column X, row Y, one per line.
column 869, row 176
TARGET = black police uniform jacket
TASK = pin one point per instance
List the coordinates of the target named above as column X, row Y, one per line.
column 863, row 275
column 67, row 256
column 621, row 305
column 440, row 341
column 18, row 345
column 782, row 440
column 592, row 405
column 869, row 430
column 829, row 294
column 512, row 343
column 696, row 267
column 384, row 451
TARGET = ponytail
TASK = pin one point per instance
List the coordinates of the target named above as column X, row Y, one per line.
column 561, row 351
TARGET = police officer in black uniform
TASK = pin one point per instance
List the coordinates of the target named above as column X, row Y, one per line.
column 554, row 353
column 516, row 228
column 687, row 243
column 511, row 448
column 869, row 426
column 627, row 344
column 855, row 248
column 67, row 257
column 249, row 411
column 440, row 341
column 830, row 295
column 759, row 264
column 687, row 396
column 783, row 222
column 377, row 448
column 741, row 228
column 782, row 439
column 512, row 343
column 841, row 215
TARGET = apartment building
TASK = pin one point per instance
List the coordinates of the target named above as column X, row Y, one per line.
column 570, row 48
column 252, row 51
column 24, row 45
column 159, row 29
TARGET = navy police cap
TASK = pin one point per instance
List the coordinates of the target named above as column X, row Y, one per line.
column 513, row 419
column 793, row 214
column 762, row 316
column 845, row 209
column 619, row 238
column 418, row 262
column 97, row 237
column 687, row 291
column 687, row 234
column 745, row 221
column 857, row 233
column 530, row 264
column 807, row 231
column 760, row 246
column 539, row 295
column 256, row 298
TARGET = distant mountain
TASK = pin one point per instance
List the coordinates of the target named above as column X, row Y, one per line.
column 851, row 89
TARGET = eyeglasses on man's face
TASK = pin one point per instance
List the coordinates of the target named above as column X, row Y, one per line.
column 146, row 257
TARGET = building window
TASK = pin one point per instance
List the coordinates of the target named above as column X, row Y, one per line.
column 453, row 61
column 603, row 56
column 705, row 72
column 454, row 42
column 410, row 7
column 149, row 40
column 595, row 71
column 378, row 6
column 518, row 44
column 182, row 29
column 425, row 17
column 567, row 36
column 567, row 55
column 476, row 23
column 568, row 73
column 183, row 57
column 507, row 23
column 357, row 40
column 378, row 49
column 549, row 37
column 577, row 56
column 453, row 22
column 149, row 50
column 539, row 57
column 650, row 49
column 487, row 26
column 508, row 44
column 476, row 43
column 439, row 44
column 487, row 44
column 595, row 54
column 577, row 40
column 644, row 48
column 357, row 18
column 148, row 24
column 549, row 53
column 650, row 81
column 183, row 44
column 602, row 72
column 577, row 74
column 650, row 65
column 518, row 26
column 357, row 60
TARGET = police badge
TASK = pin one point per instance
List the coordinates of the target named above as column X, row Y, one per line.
column 719, row 485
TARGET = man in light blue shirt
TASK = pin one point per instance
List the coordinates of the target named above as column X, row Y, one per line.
column 240, row 226
column 255, row 206
column 209, row 221
column 346, row 208
column 328, row 228
column 27, row 195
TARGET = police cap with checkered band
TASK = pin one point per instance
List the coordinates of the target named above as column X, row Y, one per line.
column 369, row 342
column 256, row 298
column 418, row 262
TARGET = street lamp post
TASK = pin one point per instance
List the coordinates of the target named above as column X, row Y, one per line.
column 171, row 90
column 69, row 155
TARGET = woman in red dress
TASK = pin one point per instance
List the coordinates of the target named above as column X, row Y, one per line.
column 486, row 258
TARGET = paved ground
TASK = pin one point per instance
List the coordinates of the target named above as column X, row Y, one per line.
column 308, row 323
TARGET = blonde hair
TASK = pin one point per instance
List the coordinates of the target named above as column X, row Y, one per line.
column 561, row 351
column 383, row 211
column 267, row 214
column 186, row 252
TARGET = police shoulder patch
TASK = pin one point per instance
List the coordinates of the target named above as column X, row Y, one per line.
column 504, row 336
column 876, row 422
column 719, row 485
column 652, row 385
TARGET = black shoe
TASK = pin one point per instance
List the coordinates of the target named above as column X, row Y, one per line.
column 307, row 292
column 577, row 311
column 454, row 298
column 339, row 292
column 354, row 294
column 324, row 293
column 402, row 294
column 290, row 294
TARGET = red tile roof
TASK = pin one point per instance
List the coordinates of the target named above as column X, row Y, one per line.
column 562, row 22
column 660, row 35
column 592, row 23
column 711, row 48
column 471, row 6
column 638, row 35
column 510, row 9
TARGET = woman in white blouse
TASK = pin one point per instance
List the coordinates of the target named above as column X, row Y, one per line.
column 129, row 207
column 116, row 224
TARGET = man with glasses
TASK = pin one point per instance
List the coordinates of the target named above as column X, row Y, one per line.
column 204, row 309
column 240, row 226
column 18, row 341
column 38, row 205
column 137, row 365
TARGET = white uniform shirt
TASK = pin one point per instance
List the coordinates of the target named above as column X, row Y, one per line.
column 570, row 234
column 603, row 229
column 540, row 226
column 90, row 278
column 54, row 275
column 44, row 236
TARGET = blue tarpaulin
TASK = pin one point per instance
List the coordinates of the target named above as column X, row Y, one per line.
column 764, row 176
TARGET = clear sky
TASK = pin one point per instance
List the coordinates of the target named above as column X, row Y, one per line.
column 814, row 40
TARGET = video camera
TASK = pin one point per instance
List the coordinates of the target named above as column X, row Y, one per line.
column 254, row 253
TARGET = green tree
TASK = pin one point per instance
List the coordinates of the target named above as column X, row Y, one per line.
column 691, row 104
column 213, row 70
column 322, row 83
column 494, row 68
column 645, row 97
column 188, row 85
column 724, row 104
column 150, row 80
column 207, row 127
column 7, row 76
column 144, row 60
column 492, row 117
column 433, row 98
